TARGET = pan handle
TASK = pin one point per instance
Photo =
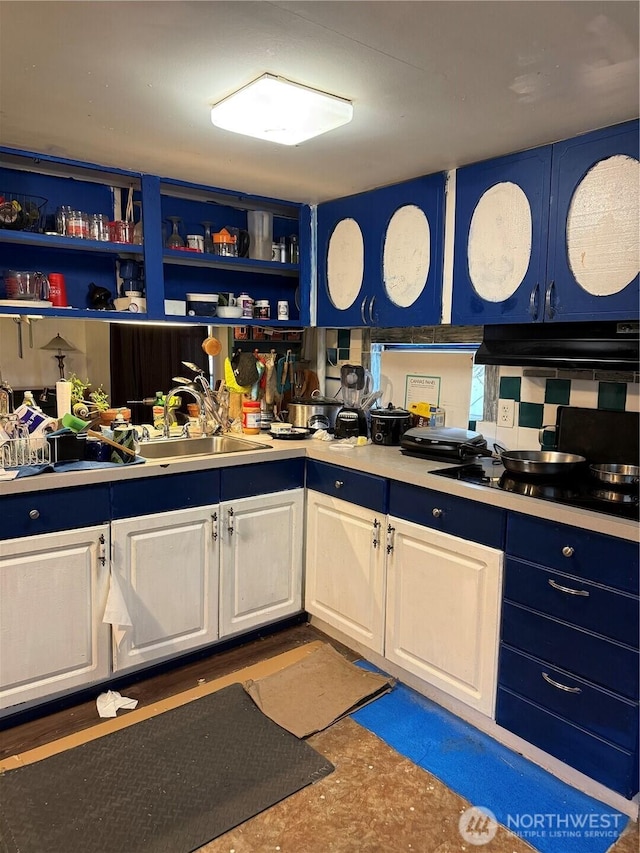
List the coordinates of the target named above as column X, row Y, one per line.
column 474, row 450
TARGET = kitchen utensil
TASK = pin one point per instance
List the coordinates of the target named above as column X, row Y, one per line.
column 67, row 446
column 211, row 346
column 26, row 284
column 295, row 433
column 351, row 422
column 314, row 412
column 260, row 223
column 389, row 425
column 444, row 443
column 227, row 312
column 616, row 475
column 540, row 462
column 77, row 425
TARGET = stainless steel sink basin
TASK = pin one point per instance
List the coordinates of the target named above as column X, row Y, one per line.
column 206, row 445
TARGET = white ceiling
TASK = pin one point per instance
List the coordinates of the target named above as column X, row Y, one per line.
column 434, row 84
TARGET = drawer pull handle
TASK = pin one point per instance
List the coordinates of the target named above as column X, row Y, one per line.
column 567, row 551
column 436, row 513
column 561, row 686
column 339, row 484
column 568, row 589
column 35, row 513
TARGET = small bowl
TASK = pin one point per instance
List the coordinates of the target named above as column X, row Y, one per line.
column 228, row 312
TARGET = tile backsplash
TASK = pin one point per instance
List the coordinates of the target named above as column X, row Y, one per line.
column 536, row 400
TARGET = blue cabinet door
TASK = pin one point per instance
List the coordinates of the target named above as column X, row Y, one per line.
column 380, row 256
column 500, row 248
column 593, row 230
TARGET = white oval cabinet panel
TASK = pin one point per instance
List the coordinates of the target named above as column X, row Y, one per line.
column 345, row 263
column 407, row 255
column 500, row 240
column 603, row 225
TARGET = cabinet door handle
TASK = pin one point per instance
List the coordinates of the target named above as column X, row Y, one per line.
column 102, row 551
column 549, row 302
column 376, row 527
column 364, row 302
column 390, row 531
column 533, row 301
column 230, row 521
column 371, row 304
column 568, row 590
column 436, row 513
column 214, row 526
column 339, row 484
column 567, row 551
column 561, row 686
column 34, row 513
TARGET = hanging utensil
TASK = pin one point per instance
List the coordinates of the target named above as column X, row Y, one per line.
column 18, row 320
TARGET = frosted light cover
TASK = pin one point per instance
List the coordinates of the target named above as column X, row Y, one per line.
column 500, row 239
column 603, row 226
column 407, row 255
column 345, row 263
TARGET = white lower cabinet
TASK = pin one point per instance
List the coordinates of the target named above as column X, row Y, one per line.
column 53, row 590
column 167, row 568
column 345, row 575
column 443, row 611
column 261, row 540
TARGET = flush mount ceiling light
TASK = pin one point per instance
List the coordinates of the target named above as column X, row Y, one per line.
column 280, row 111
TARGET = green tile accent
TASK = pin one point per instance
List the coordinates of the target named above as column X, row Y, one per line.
column 343, row 354
column 472, row 426
column 531, row 415
column 557, row 391
column 344, row 338
column 510, row 388
column 612, row 395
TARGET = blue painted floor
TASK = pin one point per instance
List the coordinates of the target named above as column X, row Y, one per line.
column 551, row 816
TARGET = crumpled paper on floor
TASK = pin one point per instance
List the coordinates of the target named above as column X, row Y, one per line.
column 109, row 703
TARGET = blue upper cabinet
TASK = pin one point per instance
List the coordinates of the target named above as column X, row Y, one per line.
column 550, row 234
column 379, row 256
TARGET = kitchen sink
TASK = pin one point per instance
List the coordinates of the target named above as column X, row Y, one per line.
column 206, row 445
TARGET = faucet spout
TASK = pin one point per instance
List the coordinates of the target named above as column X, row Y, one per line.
column 197, row 396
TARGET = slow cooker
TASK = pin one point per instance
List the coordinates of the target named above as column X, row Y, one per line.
column 389, row 425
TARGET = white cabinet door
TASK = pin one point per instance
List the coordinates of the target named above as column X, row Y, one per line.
column 167, row 567
column 53, row 590
column 443, row 611
column 260, row 560
column 345, row 568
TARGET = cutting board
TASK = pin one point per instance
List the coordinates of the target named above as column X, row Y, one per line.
column 599, row 435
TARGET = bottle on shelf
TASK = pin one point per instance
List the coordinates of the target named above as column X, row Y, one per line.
column 6, row 397
column 158, row 410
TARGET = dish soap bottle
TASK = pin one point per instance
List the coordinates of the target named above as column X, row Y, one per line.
column 158, row 410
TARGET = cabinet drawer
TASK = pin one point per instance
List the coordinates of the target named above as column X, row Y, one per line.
column 597, row 710
column 467, row 519
column 45, row 512
column 261, row 478
column 609, row 764
column 163, row 494
column 363, row 489
column 602, row 661
column 574, row 600
column 604, row 559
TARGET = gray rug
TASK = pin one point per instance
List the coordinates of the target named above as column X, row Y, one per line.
column 168, row 784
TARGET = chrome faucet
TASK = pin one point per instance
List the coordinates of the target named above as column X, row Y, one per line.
column 197, row 396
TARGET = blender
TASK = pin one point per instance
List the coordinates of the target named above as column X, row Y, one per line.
column 355, row 383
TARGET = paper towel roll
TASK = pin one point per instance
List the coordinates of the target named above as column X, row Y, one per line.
column 63, row 397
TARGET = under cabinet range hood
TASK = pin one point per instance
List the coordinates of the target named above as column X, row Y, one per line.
column 605, row 345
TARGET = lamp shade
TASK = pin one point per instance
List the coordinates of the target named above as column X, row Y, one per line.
column 59, row 343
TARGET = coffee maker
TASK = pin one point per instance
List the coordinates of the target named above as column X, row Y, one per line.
column 351, row 421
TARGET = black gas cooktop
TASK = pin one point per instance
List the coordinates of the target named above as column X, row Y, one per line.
column 577, row 489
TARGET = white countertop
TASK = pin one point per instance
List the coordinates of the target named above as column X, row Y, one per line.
column 382, row 461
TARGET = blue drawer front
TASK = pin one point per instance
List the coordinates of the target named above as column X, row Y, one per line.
column 164, row 494
column 613, row 614
column 62, row 509
column 477, row 522
column 601, row 661
column 605, row 762
column 245, row 481
column 596, row 710
column 365, row 490
column 604, row 559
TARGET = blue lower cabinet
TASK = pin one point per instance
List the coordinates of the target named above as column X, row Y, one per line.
column 471, row 520
column 48, row 511
column 590, row 656
column 164, row 494
column 578, row 701
column 365, row 490
column 246, row 481
column 603, row 761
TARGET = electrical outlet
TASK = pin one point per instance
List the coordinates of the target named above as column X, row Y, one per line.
column 506, row 413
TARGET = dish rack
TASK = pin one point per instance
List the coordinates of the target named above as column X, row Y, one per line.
column 20, row 212
column 25, row 451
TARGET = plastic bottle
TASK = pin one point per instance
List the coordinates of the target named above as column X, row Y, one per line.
column 251, row 417
column 158, row 410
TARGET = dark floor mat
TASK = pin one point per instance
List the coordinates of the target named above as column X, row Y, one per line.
column 168, row 784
